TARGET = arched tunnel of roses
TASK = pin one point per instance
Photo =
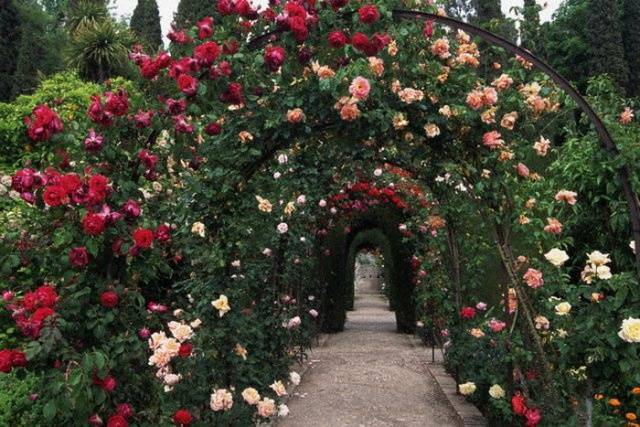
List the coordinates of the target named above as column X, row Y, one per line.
column 394, row 169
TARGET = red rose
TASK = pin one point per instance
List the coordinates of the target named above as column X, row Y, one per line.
column 182, row 417
column 337, row 39
column 185, row 349
column 274, row 57
column 149, row 69
column 427, row 31
column 71, row 182
column 213, row 129
column 132, row 209
column 467, row 313
column 93, row 224
column 6, row 360
column 533, row 417
column 368, row 14
column 232, row 94
column 143, row 238
column 78, row 257
column 205, row 28
column 109, row 299
column 206, row 53
column 163, row 233
column 99, row 183
column 125, row 409
column 518, row 404
column 298, row 27
column 117, row 103
column 117, row 421
column 44, row 123
column 18, row 359
column 360, row 41
column 55, row 195
column 44, row 296
column 188, row 84
column 108, row 384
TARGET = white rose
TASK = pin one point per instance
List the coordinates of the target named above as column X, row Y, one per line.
column 598, row 258
column 198, row 228
column 294, row 377
column 604, row 272
column 496, row 391
column 283, row 410
column 283, row 228
column 556, row 257
column 630, row 330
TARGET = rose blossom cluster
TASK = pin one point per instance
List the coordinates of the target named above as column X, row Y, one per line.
column 10, row 359
column 166, row 349
column 43, row 123
column 32, row 310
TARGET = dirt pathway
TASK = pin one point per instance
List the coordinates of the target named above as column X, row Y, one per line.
column 369, row 375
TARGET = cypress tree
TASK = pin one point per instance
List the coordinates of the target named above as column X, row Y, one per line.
column 145, row 24
column 631, row 39
column 530, row 27
column 39, row 50
column 605, row 40
column 191, row 11
column 486, row 10
column 9, row 42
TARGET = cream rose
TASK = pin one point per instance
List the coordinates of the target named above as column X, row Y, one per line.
column 630, row 330
column 556, row 257
column 467, row 388
column 221, row 400
column 266, row 407
column 496, row 391
column 251, row 396
column 222, row 305
column 563, row 308
column 198, row 228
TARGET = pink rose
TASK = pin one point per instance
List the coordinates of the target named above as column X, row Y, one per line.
column 360, row 88
column 533, row 278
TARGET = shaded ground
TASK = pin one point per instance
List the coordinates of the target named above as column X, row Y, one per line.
column 369, row 375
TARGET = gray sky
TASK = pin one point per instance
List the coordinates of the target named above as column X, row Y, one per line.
column 168, row 7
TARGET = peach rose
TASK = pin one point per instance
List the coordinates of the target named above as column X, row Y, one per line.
column 542, row 146
column 296, row 115
column 566, row 196
column 251, row 396
column 266, row 407
column 440, row 48
column 492, row 140
column 626, row 116
column 553, row 226
column 509, row 120
column 503, row 82
column 533, row 278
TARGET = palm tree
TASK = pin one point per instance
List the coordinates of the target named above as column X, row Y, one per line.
column 85, row 12
column 99, row 50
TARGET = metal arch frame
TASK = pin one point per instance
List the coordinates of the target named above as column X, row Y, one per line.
column 605, row 137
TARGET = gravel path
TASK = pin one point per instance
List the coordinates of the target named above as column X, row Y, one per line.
column 369, row 375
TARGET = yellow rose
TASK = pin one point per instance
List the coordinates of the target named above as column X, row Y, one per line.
column 251, row 396
column 222, row 305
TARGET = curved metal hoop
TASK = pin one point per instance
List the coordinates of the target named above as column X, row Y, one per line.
column 605, row 137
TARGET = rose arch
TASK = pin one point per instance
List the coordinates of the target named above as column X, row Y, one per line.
column 181, row 243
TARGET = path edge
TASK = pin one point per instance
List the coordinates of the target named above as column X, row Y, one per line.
column 468, row 413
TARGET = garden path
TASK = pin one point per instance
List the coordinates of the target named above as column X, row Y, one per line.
column 369, row 375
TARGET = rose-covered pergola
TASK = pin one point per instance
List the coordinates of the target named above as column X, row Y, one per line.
column 184, row 241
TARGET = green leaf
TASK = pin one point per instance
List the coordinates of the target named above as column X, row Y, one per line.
column 49, row 410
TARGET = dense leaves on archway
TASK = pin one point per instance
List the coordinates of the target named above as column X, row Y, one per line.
column 163, row 263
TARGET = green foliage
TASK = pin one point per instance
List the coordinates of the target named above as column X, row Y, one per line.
column 41, row 46
column 20, row 404
column 65, row 87
column 9, row 46
column 85, row 12
column 630, row 24
column 606, row 53
column 191, row 11
column 145, row 24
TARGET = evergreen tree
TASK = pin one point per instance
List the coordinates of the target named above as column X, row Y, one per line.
column 566, row 43
column 605, row 41
column 39, row 52
column 631, row 39
column 191, row 11
column 145, row 24
column 530, row 27
column 486, row 10
column 9, row 42
column 488, row 14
